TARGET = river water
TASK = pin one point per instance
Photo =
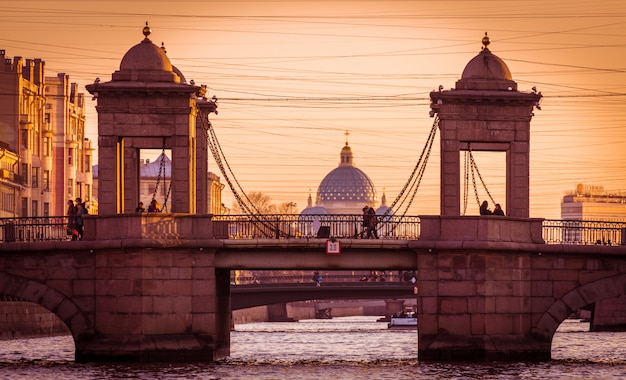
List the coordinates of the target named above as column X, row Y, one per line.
column 339, row 348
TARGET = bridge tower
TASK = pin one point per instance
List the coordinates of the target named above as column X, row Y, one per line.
column 148, row 105
column 485, row 112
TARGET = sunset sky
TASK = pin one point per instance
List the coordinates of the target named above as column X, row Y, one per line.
column 293, row 76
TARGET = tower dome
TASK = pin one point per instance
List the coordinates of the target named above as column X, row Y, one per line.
column 346, row 189
column 486, row 71
column 146, row 62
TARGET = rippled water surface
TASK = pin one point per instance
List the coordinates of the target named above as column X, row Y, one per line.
column 340, row 348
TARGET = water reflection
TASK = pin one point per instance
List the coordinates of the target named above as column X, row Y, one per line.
column 341, row 348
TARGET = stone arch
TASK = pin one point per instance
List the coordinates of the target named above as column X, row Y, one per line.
column 52, row 300
column 605, row 288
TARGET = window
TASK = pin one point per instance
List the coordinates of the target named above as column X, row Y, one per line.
column 35, row 177
column 34, row 208
column 70, row 155
column 46, row 146
column 25, row 173
column 70, row 188
column 24, row 138
column 87, row 163
column 46, row 209
column 7, row 199
column 24, row 207
column 46, row 180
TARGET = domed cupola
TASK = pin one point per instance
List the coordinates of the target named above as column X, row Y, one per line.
column 174, row 68
column 486, row 71
column 384, row 209
column 346, row 189
column 146, row 62
column 313, row 210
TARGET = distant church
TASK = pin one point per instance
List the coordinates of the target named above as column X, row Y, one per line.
column 345, row 190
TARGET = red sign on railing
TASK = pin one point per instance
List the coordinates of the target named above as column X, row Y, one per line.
column 333, row 247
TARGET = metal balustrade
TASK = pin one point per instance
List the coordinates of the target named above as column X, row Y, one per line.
column 584, row 232
column 293, row 226
column 305, row 277
column 31, row 229
column 285, row 226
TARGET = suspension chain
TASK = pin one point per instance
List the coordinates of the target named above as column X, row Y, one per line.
column 411, row 184
column 161, row 170
column 269, row 228
column 475, row 167
column 465, row 182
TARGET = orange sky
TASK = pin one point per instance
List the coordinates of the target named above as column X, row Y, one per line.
column 293, row 76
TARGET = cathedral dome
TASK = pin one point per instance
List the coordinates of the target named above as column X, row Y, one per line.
column 347, row 184
column 346, row 189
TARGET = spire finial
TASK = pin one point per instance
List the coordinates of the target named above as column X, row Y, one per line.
column 163, row 47
column 486, row 41
column 347, row 133
column 146, row 30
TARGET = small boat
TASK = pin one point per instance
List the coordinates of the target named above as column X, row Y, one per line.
column 406, row 320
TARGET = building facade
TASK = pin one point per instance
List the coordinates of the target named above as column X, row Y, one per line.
column 589, row 202
column 45, row 158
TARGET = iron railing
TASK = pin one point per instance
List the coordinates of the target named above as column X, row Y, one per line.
column 30, row 229
column 283, row 226
column 305, row 277
column 584, row 232
column 290, row 226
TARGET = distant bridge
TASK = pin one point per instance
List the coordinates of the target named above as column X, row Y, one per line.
column 250, row 295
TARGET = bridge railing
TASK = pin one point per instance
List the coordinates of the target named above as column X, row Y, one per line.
column 303, row 277
column 30, row 229
column 584, row 232
column 278, row 226
column 282, row 226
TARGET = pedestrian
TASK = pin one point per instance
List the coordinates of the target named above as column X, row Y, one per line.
column 484, row 209
column 317, row 278
column 366, row 221
column 71, row 219
column 498, row 210
column 140, row 208
column 80, row 225
column 373, row 221
column 154, row 206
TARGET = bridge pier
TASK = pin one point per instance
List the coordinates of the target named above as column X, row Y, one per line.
column 161, row 323
column 475, row 301
column 150, row 305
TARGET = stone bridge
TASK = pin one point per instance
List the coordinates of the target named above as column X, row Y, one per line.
column 489, row 288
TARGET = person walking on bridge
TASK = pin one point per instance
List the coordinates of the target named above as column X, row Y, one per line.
column 372, row 222
column 317, row 278
column 366, row 222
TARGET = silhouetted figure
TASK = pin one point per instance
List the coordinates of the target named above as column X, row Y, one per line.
column 366, row 221
column 498, row 210
column 154, row 206
column 140, row 207
column 71, row 220
column 317, row 278
column 484, row 209
column 80, row 211
column 372, row 222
